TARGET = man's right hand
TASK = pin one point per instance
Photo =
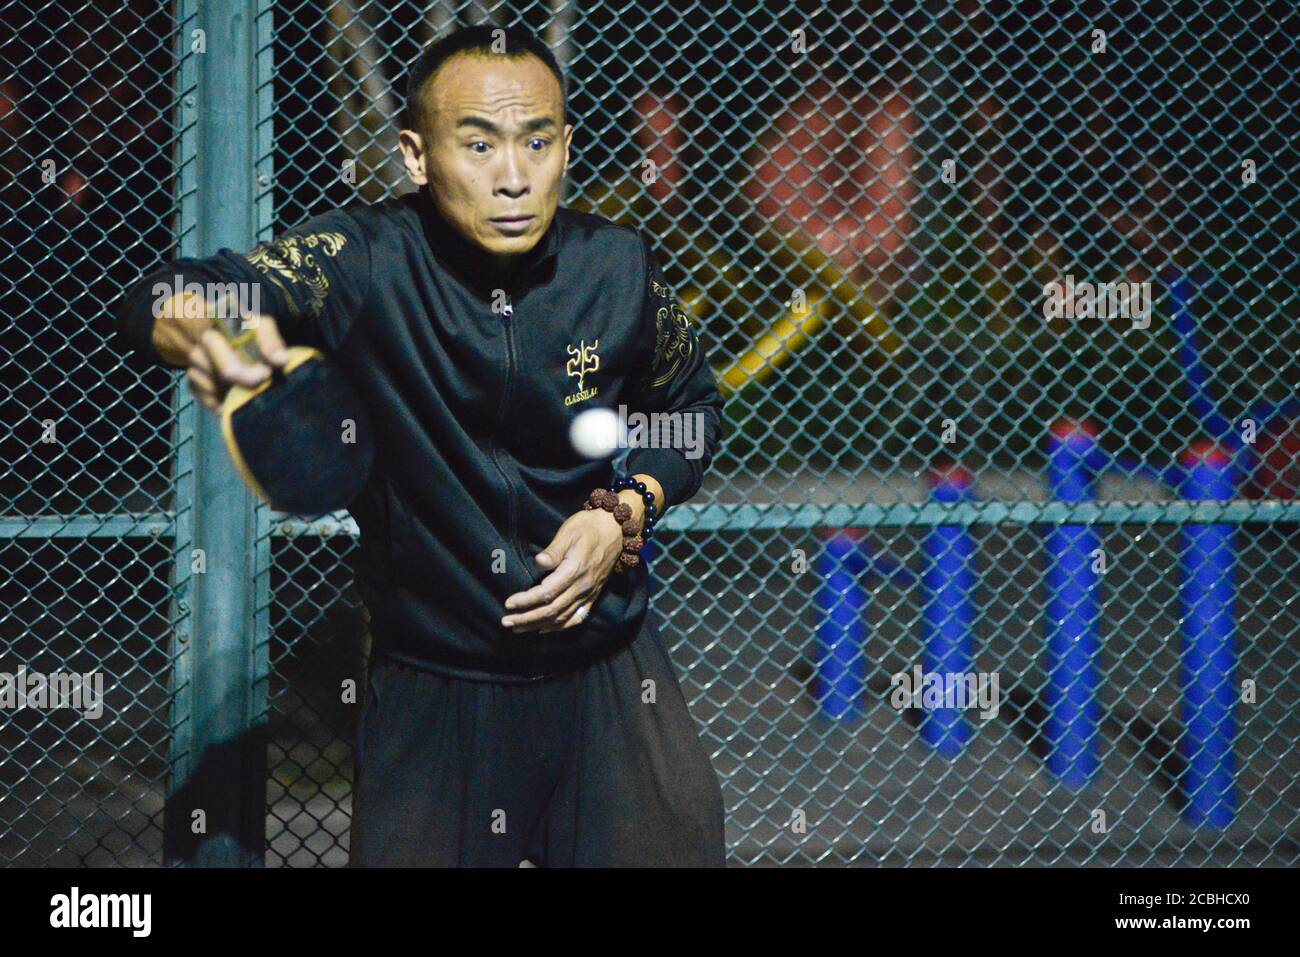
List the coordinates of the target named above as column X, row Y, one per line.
column 214, row 365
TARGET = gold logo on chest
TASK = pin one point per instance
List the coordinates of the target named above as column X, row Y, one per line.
column 585, row 360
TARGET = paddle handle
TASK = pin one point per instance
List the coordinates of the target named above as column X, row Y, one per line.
column 238, row 329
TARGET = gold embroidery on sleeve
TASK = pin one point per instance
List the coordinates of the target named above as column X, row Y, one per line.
column 673, row 339
column 293, row 260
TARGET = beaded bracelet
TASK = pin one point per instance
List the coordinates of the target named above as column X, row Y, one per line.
column 622, row 512
column 651, row 517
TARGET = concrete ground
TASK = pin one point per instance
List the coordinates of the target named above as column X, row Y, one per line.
column 742, row 629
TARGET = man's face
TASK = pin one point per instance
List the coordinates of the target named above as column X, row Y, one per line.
column 494, row 151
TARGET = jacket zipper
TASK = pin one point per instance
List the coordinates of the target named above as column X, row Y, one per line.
column 506, row 313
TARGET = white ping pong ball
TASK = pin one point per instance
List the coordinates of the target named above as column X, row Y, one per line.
column 594, row 433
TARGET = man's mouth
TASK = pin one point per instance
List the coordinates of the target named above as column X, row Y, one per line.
column 512, row 220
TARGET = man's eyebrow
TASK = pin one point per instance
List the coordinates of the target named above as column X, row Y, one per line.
column 530, row 126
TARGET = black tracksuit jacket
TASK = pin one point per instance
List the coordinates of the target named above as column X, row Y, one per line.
column 474, row 464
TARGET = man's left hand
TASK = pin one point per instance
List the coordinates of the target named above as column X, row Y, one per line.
column 580, row 558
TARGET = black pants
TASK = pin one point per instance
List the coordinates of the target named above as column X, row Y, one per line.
column 602, row 767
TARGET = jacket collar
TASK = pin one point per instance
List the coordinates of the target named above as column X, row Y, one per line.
column 472, row 264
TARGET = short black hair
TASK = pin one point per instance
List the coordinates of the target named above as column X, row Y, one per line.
column 482, row 40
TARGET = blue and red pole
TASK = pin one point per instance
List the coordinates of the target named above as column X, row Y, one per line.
column 949, row 614
column 840, row 680
column 1072, row 610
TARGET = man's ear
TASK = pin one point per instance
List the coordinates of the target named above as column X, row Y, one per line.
column 568, row 136
column 413, row 156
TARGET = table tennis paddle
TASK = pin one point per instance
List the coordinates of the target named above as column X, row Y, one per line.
column 301, row 440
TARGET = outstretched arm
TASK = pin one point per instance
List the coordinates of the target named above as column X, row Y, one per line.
column 302, row 288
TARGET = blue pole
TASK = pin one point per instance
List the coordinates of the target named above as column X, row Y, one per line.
column 839, row 684
column 1072, row 613
column 949, row 611
column 1209, row 659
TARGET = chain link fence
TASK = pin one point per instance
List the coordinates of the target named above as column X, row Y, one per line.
column 1003, row 300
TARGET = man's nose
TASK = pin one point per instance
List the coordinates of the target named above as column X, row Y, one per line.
column 513, row 177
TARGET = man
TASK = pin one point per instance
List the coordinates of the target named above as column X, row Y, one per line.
column 521, row 705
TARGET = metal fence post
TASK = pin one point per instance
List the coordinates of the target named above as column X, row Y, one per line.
column 219, row 757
